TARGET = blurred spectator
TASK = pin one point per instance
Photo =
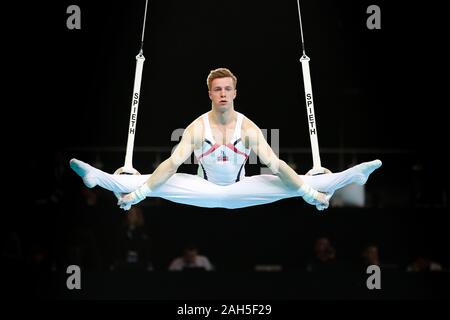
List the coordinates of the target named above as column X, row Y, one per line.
column 134, row 243
column 191, row 260
column 422, row 263
column 370, row 255
column 82, row 242
column 324, row 258
column 39, row 258
column 11, row 248
column 17, row 278
column 51, row 189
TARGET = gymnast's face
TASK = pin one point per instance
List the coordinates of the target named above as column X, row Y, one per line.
column 222, row 93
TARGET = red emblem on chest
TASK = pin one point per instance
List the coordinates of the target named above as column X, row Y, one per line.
column 223, row 157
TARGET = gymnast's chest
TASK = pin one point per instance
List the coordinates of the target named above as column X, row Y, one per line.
column 223, row 135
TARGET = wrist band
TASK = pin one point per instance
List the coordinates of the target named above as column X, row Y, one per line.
column 142, row 192
column 307, row 192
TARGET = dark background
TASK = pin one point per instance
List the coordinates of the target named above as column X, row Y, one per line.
column 377, row 93
column 373, row 88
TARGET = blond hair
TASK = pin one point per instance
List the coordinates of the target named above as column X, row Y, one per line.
column 220, row 73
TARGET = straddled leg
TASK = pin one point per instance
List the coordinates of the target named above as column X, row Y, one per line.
column 329, row 183
column 117, row 183
column 250, row 191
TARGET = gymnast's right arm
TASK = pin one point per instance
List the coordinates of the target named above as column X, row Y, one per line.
column 164, row 171
column 170, row 166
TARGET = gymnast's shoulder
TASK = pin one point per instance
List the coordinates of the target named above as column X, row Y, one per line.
column 195, row 130
column 249, row 132
column 248, row 124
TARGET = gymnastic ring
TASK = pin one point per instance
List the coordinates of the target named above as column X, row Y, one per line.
column 123, row 170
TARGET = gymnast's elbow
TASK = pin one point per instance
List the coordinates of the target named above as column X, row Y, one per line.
column 288, row 175
column 173, row 163
column 274, row 165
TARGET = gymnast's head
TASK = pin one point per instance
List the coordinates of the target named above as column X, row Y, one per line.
column 222, row 89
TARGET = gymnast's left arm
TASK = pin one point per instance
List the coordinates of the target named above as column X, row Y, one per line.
column 259, row 145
